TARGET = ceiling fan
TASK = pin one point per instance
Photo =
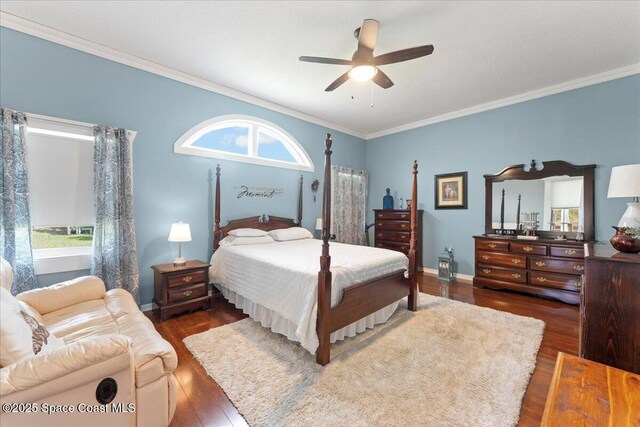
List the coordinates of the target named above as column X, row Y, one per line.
column 364, row 66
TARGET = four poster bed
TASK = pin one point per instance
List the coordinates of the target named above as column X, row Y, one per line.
column 278, row 284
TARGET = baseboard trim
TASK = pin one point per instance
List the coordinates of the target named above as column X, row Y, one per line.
column 459, row 276
column 146, row 307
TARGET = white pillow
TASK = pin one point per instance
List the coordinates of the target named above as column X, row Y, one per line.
column 293, row 233
column 235, row 241
column 247, row 232
column 21, row 334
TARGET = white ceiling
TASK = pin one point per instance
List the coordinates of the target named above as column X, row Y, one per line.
column 484, row 51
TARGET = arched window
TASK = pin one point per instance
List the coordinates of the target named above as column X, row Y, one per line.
column 244, row 139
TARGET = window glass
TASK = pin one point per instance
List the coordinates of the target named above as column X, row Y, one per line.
column 231, row 140
column 61, row 237
column 272, row 148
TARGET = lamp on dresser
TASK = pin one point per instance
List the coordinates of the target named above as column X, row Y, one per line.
column 625, row 182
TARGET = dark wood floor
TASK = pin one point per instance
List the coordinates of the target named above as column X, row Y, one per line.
column 201, row 402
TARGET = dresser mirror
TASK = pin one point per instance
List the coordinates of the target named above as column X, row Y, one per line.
column 555, row 198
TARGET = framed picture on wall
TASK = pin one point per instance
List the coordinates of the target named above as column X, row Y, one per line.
column 451, row 191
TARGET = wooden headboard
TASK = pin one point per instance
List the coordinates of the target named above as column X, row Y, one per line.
column 261, row 222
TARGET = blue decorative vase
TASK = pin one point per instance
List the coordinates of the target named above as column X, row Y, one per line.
column 387, row 201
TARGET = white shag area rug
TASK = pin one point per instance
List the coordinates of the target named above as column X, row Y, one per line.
column 448, row 364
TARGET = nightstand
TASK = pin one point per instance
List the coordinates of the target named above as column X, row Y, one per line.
column 180, row 289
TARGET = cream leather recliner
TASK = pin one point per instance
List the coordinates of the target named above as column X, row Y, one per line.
column 109, row 347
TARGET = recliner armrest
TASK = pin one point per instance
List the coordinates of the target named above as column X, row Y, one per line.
column 66, row 360
column 55, row 297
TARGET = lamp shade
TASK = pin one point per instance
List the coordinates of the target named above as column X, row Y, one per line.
column 319, row 224
column 625, row 181
column 180, row 232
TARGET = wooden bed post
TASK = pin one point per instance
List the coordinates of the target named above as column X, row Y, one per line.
column 300, row 201
column 412, row 302
column 324, row 276
column 216, row 228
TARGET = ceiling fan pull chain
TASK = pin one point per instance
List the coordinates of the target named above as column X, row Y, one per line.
column 371, row 83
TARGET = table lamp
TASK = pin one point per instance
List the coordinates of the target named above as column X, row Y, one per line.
column 180, row 232
column 625, row 182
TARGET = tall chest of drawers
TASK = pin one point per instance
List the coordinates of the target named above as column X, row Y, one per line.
column 610, row 308
column 543, row 267
column 393, row 231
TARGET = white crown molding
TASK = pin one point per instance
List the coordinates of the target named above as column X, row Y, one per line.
column 516, row 99
column 59, row 37
column 41, row 31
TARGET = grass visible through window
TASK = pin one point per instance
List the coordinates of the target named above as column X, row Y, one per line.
column 61, row 237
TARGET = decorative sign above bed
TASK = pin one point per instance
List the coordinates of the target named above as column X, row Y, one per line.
column 257, row 192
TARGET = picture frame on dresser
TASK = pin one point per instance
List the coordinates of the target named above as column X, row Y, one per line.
column 450, row 190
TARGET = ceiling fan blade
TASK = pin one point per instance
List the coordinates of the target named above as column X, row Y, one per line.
column 337, row 82
column 320, row 60
column 403, row 55
column 382, row 80
column 368, row 36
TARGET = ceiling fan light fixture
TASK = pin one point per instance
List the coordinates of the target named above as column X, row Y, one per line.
column 363, row 73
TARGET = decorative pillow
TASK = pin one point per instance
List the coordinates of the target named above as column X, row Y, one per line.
column 21, row 334
column 235, row 241
column 293, row 233
column 6, row 274
column 247, row 232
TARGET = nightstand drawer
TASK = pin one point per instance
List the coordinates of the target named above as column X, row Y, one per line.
column 188, row 293
column 184, row 279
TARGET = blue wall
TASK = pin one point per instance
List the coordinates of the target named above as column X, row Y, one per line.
column 40, row 77
column 597, row 124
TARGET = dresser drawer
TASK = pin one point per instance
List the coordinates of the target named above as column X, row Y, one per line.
column 186, row 293
column 184, row 279
column 385, row 224
column 394, row 246
column 557, row 281
column 492, row 245
column 567, row 252
column 516, row 276
column 397, row 215
column 556, row 265
column 500, row 259
column 528, row 248
column 394, row 236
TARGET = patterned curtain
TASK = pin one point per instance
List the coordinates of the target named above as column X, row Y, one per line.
column 115, row 258
column 15, row 222
column 349, row 190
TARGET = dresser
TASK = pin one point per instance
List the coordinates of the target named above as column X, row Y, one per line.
column 393, row 231
column 177, row 289
column 544, row 267
column 610, row 308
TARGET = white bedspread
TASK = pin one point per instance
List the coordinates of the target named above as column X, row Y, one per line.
column 283, row 278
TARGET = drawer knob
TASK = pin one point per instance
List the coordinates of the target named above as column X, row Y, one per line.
column 379, row 215
column 379, row 224
column 403, row 216
column 492, row 245
column 403, row 225
column 540, row 263
column 486, row 271
column 187, row 293
column 516, row 261
column 578, row 267
column 403, row 247
column 541, row 279
column 187, row 279
column 528, row 248
column 516, row 275
column 569, row 251
column 485, row 257
column 403, row 236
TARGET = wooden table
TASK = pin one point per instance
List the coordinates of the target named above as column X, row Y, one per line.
column 586, row 393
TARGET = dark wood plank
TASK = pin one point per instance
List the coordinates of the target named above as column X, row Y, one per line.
column 212, row 407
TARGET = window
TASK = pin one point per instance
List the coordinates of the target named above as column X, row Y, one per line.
column 565, row 219
column 245, row 139
column 60, row 164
